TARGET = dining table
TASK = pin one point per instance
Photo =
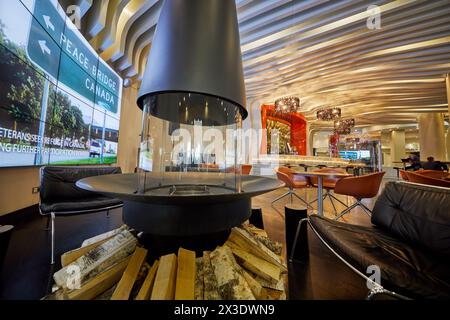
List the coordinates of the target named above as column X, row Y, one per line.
column 320, row 176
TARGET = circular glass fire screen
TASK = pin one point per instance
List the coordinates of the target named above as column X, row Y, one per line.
column 189, row 145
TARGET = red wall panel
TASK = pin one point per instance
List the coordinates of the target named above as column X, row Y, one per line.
column 296, row 121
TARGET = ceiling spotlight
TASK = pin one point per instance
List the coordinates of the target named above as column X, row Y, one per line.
column 126, row 82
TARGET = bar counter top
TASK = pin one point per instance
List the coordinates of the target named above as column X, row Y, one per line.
column 307, row 161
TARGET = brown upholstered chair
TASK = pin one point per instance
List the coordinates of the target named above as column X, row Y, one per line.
column 435, row 174
column 423, row 179
column 328, row 185
column 293, row 182
column 246, row 168
column 360, row 187
column 208, row 166
column 403, row 175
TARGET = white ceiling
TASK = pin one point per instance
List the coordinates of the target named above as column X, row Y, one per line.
column 321, row 51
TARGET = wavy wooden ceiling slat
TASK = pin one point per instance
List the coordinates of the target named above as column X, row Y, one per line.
column 95, row 19
column 131, row 13
column 145, row 23
column 319, row 50
column 143, row 41
column 106, row 36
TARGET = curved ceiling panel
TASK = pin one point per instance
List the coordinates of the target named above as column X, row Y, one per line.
column 95, row 19
column 145, row 23
column 321, row 51
column 132, row 12
column 107, row 35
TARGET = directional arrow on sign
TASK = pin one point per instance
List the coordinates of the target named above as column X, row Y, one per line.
column 44, row 48
column 48, row 23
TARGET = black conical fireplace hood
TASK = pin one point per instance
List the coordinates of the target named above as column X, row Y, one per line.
column 196, row 50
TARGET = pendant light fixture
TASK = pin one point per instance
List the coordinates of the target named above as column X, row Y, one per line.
column 287, row 105
column 195, row 61
column 329, row 114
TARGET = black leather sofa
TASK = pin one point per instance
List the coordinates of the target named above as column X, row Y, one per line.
column 59, row 196
column 409, row 241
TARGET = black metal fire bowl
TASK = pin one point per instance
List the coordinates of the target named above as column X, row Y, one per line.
column 166, row 209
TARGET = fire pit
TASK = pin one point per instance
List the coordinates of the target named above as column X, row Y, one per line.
column 189, row 182
column 210, row 208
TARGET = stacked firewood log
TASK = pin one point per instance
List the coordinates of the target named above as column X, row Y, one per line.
column 113, row 266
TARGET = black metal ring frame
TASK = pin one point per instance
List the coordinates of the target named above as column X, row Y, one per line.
column 376, row 288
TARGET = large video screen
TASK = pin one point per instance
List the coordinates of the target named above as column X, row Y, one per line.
column 59, row 101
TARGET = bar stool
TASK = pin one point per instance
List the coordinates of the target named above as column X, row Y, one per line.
column 360, row 187
column 292, row 182
column 329, row 185
column 246, row 168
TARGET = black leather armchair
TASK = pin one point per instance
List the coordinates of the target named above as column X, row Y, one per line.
column 59, row 196
column 409, row 241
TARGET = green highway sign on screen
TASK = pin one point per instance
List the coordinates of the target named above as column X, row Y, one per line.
column 62, row 53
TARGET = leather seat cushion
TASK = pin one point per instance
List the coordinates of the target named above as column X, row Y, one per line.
column 90, row 203
column 404, row 268
column 417, row 214
column 58, row 182
column 300, row 184
column 327, row 185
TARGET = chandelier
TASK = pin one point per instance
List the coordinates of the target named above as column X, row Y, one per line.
column 329, row 114
column 287, row 105
column 343, row 126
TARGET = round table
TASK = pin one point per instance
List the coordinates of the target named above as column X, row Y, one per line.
column 320, row 176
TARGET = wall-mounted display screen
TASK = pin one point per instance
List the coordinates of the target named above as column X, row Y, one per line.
column 59, row 102
column 355, row 155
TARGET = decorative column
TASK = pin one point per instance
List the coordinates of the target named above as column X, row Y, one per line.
column 432, row 136
column 447, row 84
column 309, row 139
column 251, row 128
column 397, row 146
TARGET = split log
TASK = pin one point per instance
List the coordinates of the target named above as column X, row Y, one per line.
column 255, row 231
column 199, row 286
column 96, row 261
column 261, row 236
column 104, row 236
column 130, row 275
column 231, row 284
column 147, row 286
column 232, row 245
column 275, row 290
column 275, row 295
column 258, row 291
column 100, row 283
column 107, row 294
column 164, row 287
column 185, row 284
column 270, row 284
column 209, row 278
column 257, row 265
column 248, row 243
column 145, row 268
column 70, row 256
column 273, row 246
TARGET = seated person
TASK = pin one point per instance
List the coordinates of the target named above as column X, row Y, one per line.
column 430, row 164
column 414, row 160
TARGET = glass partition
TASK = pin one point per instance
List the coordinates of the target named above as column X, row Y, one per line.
column 189, row 145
